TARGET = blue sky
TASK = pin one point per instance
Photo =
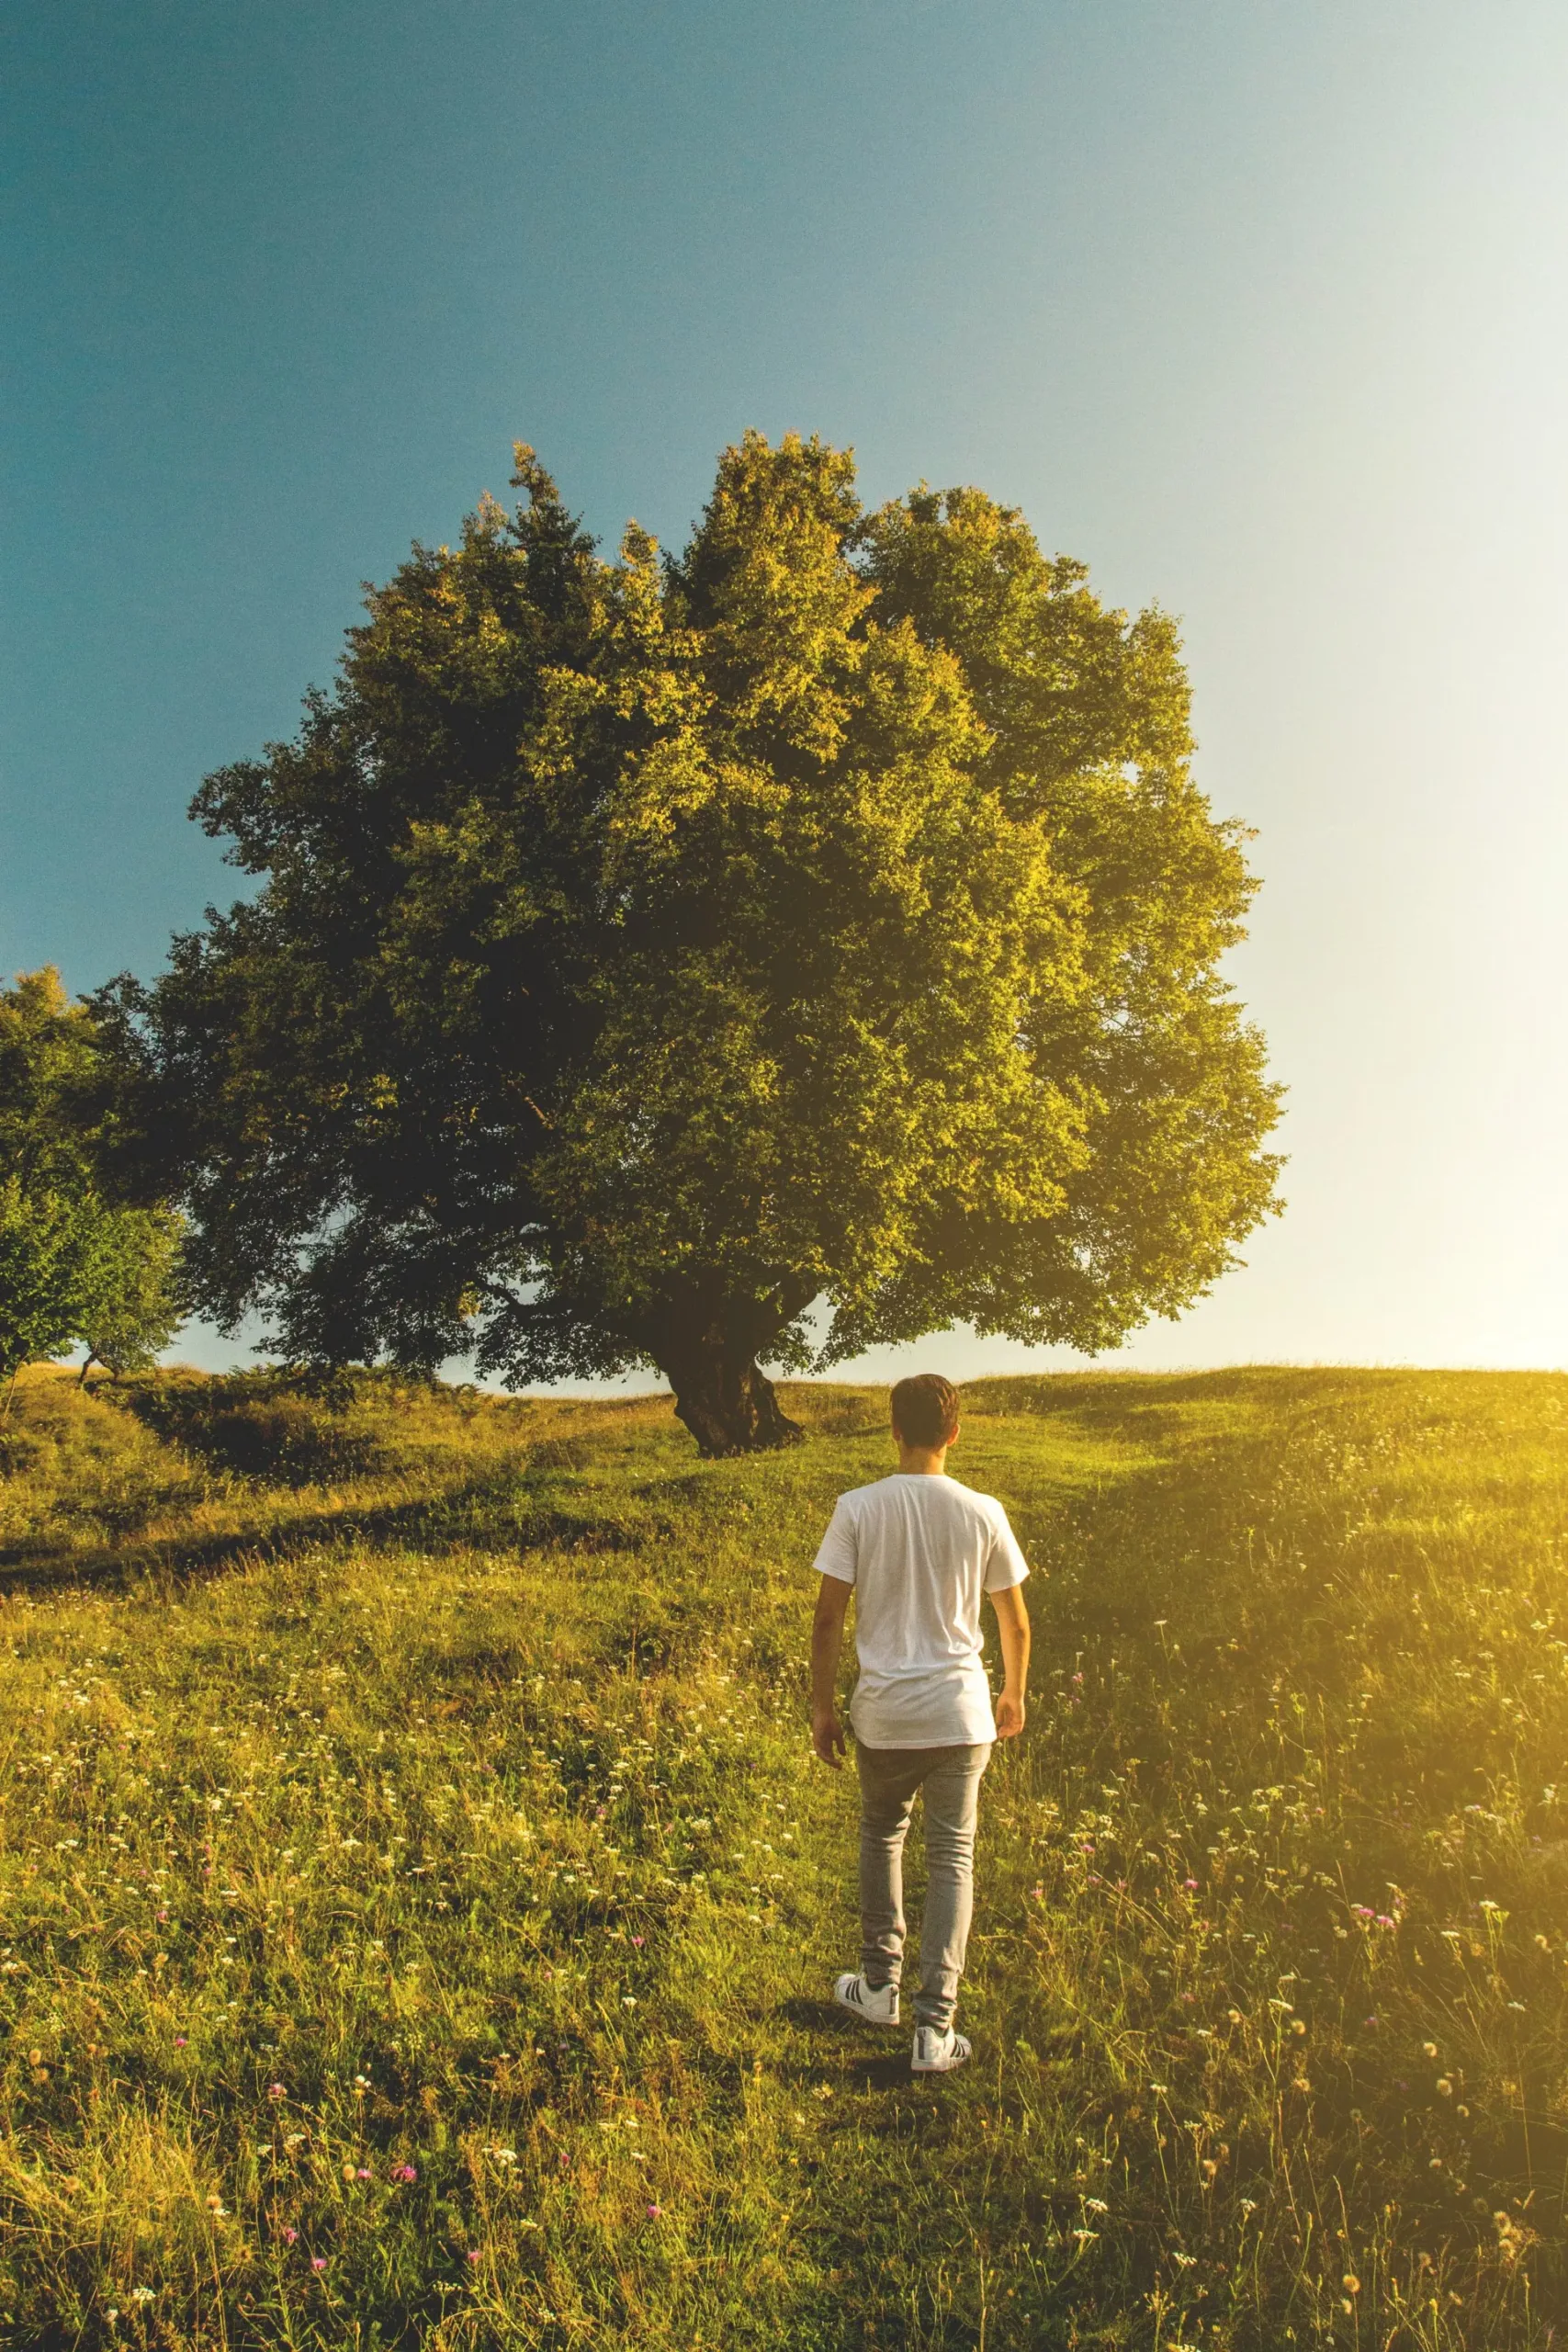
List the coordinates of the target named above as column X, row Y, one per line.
column 1260, row 310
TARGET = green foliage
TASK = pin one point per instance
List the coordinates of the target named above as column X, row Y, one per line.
column 131, row 1294
column 47, row 1202
column 73, row 1268
column 460, row 1913
column 43, row 1239
column 647, row 951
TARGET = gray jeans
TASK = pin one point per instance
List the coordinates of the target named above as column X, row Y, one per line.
column 888, row 1780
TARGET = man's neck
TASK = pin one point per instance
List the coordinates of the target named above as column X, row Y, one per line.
column 922, row 1460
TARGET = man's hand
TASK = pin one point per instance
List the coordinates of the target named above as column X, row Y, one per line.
column 828, row 1739
column 1012, row 1624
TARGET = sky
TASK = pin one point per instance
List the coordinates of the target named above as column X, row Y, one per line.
column 1261, row 310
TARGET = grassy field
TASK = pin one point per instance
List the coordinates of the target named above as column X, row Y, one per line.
column 418, row 1901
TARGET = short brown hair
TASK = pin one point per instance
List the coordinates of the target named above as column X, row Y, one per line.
column 925, row 1409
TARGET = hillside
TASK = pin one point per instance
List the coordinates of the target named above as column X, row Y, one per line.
column 418, row 1902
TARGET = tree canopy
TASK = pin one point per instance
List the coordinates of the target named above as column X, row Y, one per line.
column 714, row 961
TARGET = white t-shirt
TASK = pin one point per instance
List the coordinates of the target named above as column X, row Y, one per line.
column 920, row 1551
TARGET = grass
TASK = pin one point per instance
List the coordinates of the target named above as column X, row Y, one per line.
column 417, row 1899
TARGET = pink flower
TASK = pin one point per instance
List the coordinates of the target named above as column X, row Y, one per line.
column 318, row 2262
column 159, row 1914
column 179, row 2042
column 1190, row 1884
column 363, row 2174
column 275, row 2090
column 473, row 2254
column 637, row 1940
column 289, row 2233
column 404, row 2172
column 654, row 2211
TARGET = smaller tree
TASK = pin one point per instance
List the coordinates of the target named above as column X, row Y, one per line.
column 42, row 1239
column 72, row 1266
column 131, row 1294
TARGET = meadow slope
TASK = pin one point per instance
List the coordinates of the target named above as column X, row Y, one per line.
column 418, row 1901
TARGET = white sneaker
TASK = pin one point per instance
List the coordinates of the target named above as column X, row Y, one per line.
column 936, row 2053
column 876, row 2003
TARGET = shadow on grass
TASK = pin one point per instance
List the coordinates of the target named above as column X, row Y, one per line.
column 481, row 1515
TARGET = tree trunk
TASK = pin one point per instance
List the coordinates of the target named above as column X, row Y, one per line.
column 729, row 1405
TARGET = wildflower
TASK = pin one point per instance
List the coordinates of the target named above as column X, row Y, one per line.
column 1430, row 2048
column 1190, row 1884
column 655, row 2213
column 348, row 2172
column 638, row 1941
column 142, row 2295
column 473, row 2254
column 1444, row 2088
column 363, row 2173
column 1095, row 2205
column 179, row 2042
column 404, row 2172
column 1184, row 2261
column 1351, row 2284
column 275, row 2090
column 289, row 2234
column 318, row 2262
column 628, row 2001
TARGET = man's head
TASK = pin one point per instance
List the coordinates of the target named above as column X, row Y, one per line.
column 925, row 1411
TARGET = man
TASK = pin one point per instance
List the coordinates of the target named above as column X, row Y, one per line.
column 917, row 1550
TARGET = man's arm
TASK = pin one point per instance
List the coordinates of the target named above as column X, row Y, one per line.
column 827, row 1636
column 1012, row 1624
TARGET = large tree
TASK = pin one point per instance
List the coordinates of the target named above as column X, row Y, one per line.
column 649, row 953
